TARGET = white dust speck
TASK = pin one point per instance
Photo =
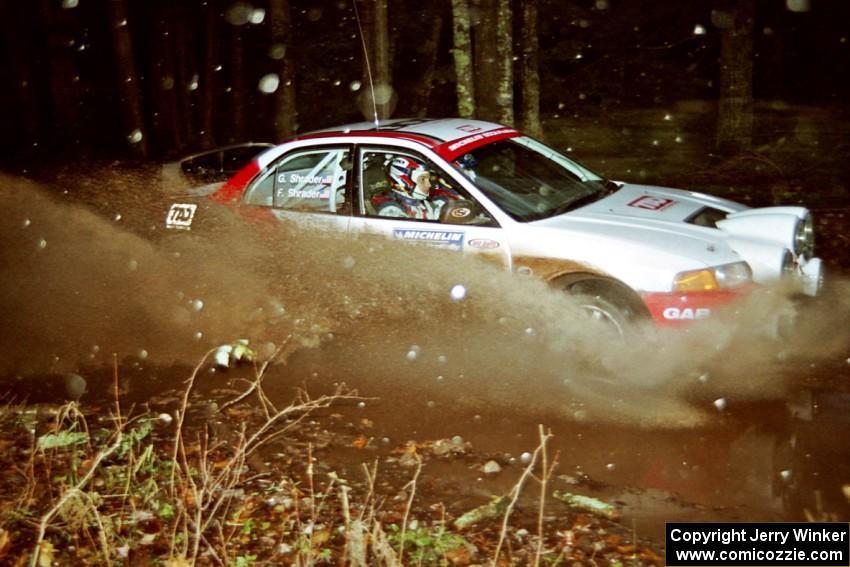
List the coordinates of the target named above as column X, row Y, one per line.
column 361, row 405
column 355, row 85
column 258, row 16
column 42, row 244
column 269, row 83
column 135, row 136
column 458, row 292
column 197, row 304
column 610, row 467
column 720, row 404
column 413, row 353
column 142, row 354
column 525, row 458
column 699, row 29
column 67, row 4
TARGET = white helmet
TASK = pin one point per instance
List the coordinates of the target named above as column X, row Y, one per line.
column 403, row 174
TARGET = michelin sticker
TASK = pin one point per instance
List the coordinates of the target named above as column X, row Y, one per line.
column 448, row 238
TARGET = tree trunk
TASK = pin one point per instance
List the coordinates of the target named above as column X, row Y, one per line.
column 427, row 52
column 187, row 73
column 237, row 83
column 484, row 44
column 285, row 111
column 735, row 108
column 18, row 32
column 530, row 79
column 462, row 52
column 164, row 84
column 62, row 70
column 208, row 82
column 377, row 100
column 128, row 80
column 505, row 62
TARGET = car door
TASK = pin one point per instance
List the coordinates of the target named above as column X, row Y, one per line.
column 463, row 225
column 308, row 186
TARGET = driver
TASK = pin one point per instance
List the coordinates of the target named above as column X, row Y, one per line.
column 411, row 191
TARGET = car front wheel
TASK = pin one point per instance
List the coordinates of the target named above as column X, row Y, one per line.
column 606, row 303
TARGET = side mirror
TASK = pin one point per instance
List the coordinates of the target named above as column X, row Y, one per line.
column 458, row 211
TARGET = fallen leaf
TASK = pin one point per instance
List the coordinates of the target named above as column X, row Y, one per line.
column 45, row 552
column 5, row 542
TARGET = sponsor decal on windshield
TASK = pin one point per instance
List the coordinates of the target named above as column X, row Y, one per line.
column 651, row 203
column 450, row 238
column 451, row 150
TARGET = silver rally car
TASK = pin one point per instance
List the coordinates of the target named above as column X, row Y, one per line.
column 628, row 252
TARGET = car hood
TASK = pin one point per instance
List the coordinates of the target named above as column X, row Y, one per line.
column 658, row 204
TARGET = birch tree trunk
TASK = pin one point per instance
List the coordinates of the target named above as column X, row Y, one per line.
column 530, row 79
column 129, row 91
column 285, row 111
column 383, row 80
column 462, row 52
column 735, row 107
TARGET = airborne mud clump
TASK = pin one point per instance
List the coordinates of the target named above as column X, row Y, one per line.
column 79, row 288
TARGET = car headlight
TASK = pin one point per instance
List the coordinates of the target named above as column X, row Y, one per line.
column 804, row 237
column 714, row 278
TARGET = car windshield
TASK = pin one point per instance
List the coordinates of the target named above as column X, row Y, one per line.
column 529, row 180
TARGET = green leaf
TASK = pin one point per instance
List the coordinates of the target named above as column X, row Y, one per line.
column 61, row 439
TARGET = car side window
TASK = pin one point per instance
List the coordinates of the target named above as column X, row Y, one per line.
column 405, row 185
column 309, row 180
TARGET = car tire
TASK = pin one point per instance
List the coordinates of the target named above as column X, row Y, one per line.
column 606, row 304
column 604, row 312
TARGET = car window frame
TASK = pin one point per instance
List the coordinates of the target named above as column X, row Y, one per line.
column 448, row 174
column 271, row 170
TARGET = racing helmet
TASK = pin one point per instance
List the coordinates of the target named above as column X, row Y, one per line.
column 403, row 173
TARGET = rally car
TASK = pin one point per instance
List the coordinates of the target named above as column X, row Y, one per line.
column 627, row 252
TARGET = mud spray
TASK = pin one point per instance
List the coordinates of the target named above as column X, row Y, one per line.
column 79, row 289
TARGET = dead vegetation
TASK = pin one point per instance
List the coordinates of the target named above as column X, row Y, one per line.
column 238, row 482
